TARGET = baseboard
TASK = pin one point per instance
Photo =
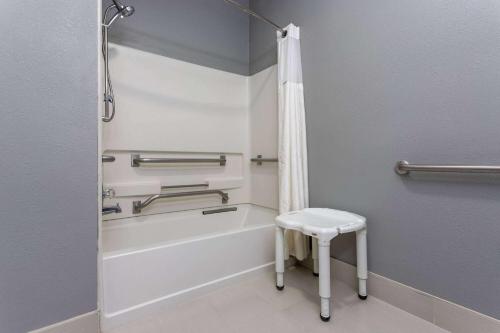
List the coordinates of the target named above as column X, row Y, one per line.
column 113, row 320
column 447, row 315
column 86, row 323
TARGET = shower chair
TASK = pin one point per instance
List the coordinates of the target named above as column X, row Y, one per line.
column 323, row 224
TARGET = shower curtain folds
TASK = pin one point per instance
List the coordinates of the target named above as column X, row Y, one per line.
column 292, row 150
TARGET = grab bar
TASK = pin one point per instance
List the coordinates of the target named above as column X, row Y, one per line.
column 138, row 206
column 404, row 168
column 107, row 158
column 259, row 159
column 170, row 187
column 219, row 210
column 137, row 160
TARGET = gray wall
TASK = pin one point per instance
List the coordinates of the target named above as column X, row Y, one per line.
column 205, row 32
column 48, row 140
column 402, row 79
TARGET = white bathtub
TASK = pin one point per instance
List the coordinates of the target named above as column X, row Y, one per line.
column 151, row 259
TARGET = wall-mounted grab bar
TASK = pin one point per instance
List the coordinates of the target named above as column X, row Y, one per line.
column 138, row 206
column 137, row 160
column 219, row 210
column 259, row 159
column 107, row 158
column 171, row 187
column 404, row 168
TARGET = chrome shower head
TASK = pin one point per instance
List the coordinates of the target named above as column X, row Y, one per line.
column 125, row 11
column 121, row 12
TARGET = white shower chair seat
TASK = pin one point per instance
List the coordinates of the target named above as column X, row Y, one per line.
column 323, row 225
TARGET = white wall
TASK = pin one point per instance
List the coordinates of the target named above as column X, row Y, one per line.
column 169, row 105
column 170, row 108
column 263, row 105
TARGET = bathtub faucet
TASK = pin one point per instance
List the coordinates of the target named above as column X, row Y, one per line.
column 111, row 209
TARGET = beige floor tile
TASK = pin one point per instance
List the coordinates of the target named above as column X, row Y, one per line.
column 196, row 316
column 235, row 305
column 278, row 299
column 256, row 306
column 146, row 325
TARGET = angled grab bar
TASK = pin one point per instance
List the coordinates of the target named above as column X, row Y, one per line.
column 259, row 159
column 404, row 168
column 137, row 160
column 138, row 206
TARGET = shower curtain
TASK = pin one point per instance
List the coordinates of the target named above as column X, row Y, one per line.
column 292, row 149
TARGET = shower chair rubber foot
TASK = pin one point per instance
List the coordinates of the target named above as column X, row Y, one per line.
column 280, row 288
column 325, row 319
column 361, row 297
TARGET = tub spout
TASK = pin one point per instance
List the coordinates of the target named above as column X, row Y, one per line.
column 111, row 209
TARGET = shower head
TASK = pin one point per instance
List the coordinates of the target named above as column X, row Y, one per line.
column 127, row 11
column 122, row 11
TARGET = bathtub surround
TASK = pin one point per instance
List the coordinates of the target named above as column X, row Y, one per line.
column 48, row 206
column 175, row 109
column 205, row 32
column 263, row 119
column 390, row 80
column 190, row 111
column 175, row 106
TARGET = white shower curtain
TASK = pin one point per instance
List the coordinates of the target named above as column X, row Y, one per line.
column 292, row 150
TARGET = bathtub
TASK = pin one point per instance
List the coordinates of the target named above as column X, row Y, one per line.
column 149, row 260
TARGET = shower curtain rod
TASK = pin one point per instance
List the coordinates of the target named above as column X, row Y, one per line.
column 254, row 14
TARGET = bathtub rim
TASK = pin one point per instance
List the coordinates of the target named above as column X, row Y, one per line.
column 122, row 253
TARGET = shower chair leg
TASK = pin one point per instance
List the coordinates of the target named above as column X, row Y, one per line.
column 324, row 278
column 280, row 258
column 314, row 255
column 362, row 262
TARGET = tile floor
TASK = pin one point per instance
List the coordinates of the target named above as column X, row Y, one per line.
column 254, row 305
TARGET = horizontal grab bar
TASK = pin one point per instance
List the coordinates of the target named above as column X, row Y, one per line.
column 107, row 158
column 404, row 168
column 219, row 210
column 137, row 160
column 170, row 187
column 259, row 159
column 138, row 206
